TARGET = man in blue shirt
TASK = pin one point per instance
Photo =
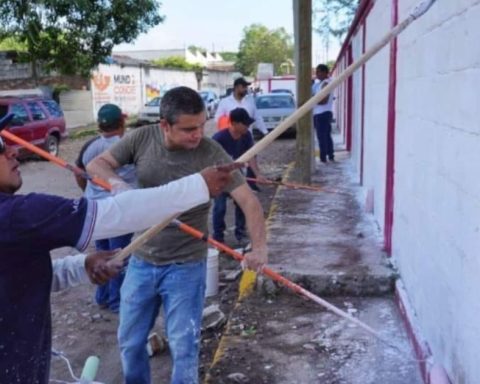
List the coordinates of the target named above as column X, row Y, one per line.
column 236, row 140
column 111, row 124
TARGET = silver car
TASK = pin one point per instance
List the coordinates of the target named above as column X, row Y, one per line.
column 274, row 108
column 150, row 113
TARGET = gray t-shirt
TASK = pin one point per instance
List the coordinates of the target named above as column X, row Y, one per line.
column 155, row 165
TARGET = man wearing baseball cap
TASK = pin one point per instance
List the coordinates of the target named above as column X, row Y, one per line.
column 111, row 125
column 235, row 140
column 239, row 99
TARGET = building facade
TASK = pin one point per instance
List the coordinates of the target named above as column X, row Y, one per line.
column 409, row 120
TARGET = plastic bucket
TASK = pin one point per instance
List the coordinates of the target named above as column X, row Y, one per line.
column 212, row 273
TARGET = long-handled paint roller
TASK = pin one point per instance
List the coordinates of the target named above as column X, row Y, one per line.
column 125, row 252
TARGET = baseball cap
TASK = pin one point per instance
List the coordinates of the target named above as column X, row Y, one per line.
column 109, row 114
column 240, row 115
column 241, row 81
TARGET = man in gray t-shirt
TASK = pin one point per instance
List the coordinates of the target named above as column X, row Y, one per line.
column 170, row 268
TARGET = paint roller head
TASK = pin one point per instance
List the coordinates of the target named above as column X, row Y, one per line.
column 421, row 8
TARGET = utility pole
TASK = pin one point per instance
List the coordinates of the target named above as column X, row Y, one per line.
column 302, row 25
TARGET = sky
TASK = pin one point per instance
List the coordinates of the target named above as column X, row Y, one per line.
column 217, row 25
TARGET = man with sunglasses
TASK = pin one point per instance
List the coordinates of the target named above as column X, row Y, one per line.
column 170, row 269
column 31, row 225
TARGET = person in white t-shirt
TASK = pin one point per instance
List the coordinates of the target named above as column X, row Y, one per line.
column 239, row 99
column 322, row 115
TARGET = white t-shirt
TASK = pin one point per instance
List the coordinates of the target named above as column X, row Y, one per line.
column 321, row 108
column 229, row 103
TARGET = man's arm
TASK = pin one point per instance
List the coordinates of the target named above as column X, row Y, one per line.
column 253, row 211
column 260, row 124
column 104, row 166
column 79, row 269
column 137, row 210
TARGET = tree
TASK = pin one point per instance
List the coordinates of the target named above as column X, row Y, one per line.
column 74, row 36
column 333, row 18
column 261, row 45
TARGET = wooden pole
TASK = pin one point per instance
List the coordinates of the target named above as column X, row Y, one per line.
column 302, row 23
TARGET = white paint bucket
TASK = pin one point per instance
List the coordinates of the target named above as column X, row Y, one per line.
column 212, row 273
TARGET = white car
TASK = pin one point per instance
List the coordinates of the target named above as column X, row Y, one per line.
column 274, row 108
column 150, row 113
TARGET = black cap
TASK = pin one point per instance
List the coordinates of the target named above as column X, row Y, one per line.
column 241, row 81
column 240, row 115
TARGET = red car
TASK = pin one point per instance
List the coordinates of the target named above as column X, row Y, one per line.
column 37, row 120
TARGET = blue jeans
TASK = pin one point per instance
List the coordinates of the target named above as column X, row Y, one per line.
column 181, row 289
column 323, row 127
column 109, row 293
column 218, row 216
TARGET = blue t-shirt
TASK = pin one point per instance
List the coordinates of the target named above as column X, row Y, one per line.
column 30, row 226
column 235, row 148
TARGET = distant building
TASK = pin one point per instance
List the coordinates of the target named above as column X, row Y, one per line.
column 205, row 59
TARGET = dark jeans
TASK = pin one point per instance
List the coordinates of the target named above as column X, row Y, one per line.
column 219, row 211
column 323, row 127
column 108, row 294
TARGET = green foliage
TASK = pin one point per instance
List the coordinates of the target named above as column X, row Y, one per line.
column 332, row 18
column 74, row 36
column 177, row 62
column 262, row 45
column 229, row 56
column 12, row 44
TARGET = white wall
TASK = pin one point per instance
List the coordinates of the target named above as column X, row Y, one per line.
column 376, row 108
column 131, row 87
column 436, row 228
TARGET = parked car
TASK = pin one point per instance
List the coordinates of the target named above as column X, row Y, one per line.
column 150, row 113
column 274, row 108
column 37, row 119
column 211, row 101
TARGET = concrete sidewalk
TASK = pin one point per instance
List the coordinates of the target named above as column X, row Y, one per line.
column 327, row 244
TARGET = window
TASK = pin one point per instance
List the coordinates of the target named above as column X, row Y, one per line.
column 36, row 111
column 21, row 114
column 269, row 102
column 52, row 107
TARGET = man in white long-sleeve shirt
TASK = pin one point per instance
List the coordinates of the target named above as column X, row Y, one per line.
column 239, row 99
column 32, row 225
